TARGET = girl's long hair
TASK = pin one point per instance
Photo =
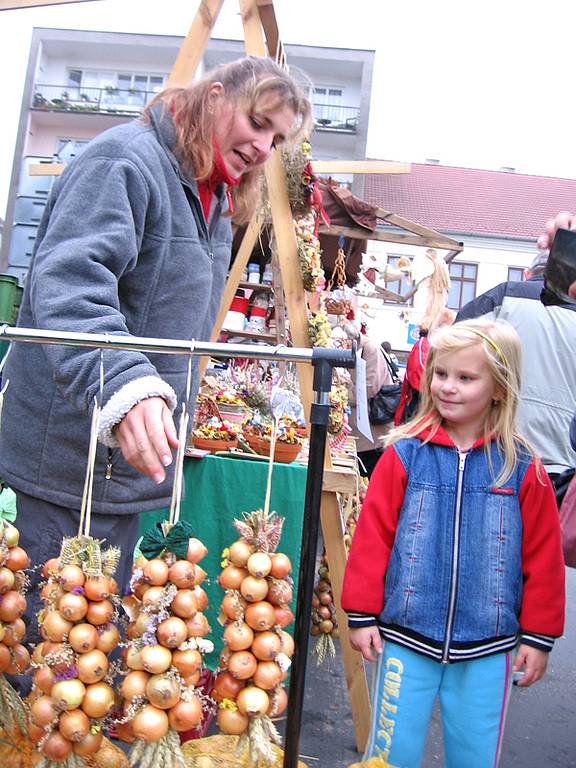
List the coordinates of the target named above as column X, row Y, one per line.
column 247, row 82
column 504, row 358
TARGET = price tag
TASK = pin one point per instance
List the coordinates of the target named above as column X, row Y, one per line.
column 362, row 420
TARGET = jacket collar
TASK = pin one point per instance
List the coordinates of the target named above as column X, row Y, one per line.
column 441, row 437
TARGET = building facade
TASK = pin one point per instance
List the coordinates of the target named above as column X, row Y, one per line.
column 79, row 83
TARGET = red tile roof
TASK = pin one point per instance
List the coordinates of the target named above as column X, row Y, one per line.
column 472, row 201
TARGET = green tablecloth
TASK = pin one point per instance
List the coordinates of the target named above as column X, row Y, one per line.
column 218, row 490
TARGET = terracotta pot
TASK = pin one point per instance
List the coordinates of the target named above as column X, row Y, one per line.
column 283, row 452
column 212, row 445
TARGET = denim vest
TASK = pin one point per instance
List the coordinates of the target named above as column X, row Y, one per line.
column 454, row 580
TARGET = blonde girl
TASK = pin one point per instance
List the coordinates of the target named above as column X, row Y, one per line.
column 456, row 562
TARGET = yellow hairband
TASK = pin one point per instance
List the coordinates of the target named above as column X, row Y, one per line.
column 493, row 344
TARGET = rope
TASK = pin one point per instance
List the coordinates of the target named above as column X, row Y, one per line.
column 339, row 272
column 270, row 467
column 86, row 506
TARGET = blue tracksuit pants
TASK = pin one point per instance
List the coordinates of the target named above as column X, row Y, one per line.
column 473, row 697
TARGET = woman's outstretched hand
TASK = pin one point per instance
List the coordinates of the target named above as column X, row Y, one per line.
column 147, row 436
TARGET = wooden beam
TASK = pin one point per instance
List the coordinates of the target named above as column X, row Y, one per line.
column 357, row 233
column 194, row 45
column 411, row 226
column 12, row 5
column 359, row 166
column 253, row 36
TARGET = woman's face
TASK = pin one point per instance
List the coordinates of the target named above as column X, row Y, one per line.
column 246, row 137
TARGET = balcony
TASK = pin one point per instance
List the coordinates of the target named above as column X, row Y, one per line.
column 128, row 101
column 329, row 117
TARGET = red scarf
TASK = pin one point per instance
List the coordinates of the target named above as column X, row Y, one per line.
column 219, row 175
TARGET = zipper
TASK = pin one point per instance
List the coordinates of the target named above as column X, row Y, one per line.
column 108, row 474
column 455, row 547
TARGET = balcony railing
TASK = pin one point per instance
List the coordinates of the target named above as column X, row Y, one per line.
column 74, row 99
column 329, row 117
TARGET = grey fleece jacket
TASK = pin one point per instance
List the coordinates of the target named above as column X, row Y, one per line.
column 123, row 248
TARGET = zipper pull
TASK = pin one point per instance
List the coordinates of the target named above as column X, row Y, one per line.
column 108, row 474
column 461, row 461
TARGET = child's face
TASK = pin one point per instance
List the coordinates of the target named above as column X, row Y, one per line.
column 462, row 387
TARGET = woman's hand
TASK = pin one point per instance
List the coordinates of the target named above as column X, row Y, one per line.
column 532, row 662
column 562, row 220
column 147, row 436
column 367, row 640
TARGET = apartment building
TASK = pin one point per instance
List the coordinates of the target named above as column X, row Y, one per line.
column 79, row 83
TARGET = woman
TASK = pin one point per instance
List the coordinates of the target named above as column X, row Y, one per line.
column 135, row 240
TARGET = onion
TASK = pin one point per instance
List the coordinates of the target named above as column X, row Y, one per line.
column 279, row 592
column 56, row 748
column 51, row 567
column 284, row 616
column 163, row 691
column 92, row 666
column 184, row 604
column 281, row 566
column 73, row 607
column 108, row 638
column 13, row 633
column 55, row 626
column 90, row 743
column 201, row 597
column 278, row 702
column 232, row 576
column 11, row 534
column 325, row 598
column 83, row 637
column 51, row 593
column 196, row 550
column 17, row 559
column 242, row 665
column 150, row 723
column 7, row 580
column 43, row 711
column 20, row 660
column 326, row 626
column 99, row 613
column 238, row 636
column 98, row 699
column 172, row 632
column 287, row 642
column 199, row 575
column 68, row 694
column 239, row 553
column 97, row 588
column 260, row 615
column 185, row 714
column 133, row 657
column 70, row 577
column 5, row 658
column 44, row 679
column 233, row 605
column 266, row 645
column 143, row 623
column 134, row 684
column 155, row 658
column 231, row 722
column 197, row 626
column 156, row 572
column 191, row 680
column 181, row 573
column 226, row 687
column 12, row 606
column 259, row 564
column 74, row 725
column 252, row 701
column 152, row 597
column 267, row 675
column 254, row 588
column 324, row 612
column 187, row 662
column 35, row 733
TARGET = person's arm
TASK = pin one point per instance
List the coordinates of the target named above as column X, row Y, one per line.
column 485, row 305
column 542, row 611
column 92, row 239
column 363, row 588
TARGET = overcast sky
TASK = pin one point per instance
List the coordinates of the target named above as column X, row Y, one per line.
column 485, row 84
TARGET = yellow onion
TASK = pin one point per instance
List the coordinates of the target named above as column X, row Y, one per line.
column 83, row 637
column 259, row 564
column 239, row 552
column 184, row 604
column 12, row 605
column 172, row 632
column 233, row 605
column 254, row 588
column 7, row 580
column 238, row 636
column 181, row 573
column 108, row 638
column 74, row 725
column 56, row 748
column 90, row 743
column 150, row 723
column 5, row 658
column 231, row 722
column 281, row 566
column 260, row 615
column 152, row 597
column 68, row 694
column 232, row 576
column 70, row 577
column 196, row 550
column 16, row 559
column 252, row 701
column 226, row 687
column 100, row 612
column 43, row 711
column 197, row 626
column 97, row 588
column 98, row 699
column 92, row 666
column 155, row 658
column 156, row 572
column 13, row 633
column 242, row 664
column 73, row 607
column 201, row 597
column 266, row 645
column 267, row 675
column 187, row 662
column 278, row 702
column 20, row 660
column 163, row 691
column 185, row 714
column 134, row 684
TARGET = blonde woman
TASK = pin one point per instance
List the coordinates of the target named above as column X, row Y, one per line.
column 456, row 561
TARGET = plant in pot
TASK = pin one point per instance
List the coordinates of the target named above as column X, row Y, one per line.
column 258, row 434
column 215, row 435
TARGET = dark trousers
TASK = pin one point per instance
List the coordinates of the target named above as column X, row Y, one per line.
column 42, row 527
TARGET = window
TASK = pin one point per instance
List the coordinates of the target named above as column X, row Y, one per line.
column 462, row 283
column 125, row 89
column 516, row 274
column 398, row 286
column 327, row 104
column 68, row 148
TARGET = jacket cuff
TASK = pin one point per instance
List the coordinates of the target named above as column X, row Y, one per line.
column 359, row 620
column 542, row 642
column 126, row 398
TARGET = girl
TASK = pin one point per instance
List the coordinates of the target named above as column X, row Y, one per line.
column 456, row 561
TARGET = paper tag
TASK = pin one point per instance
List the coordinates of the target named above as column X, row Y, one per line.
column 362, row 420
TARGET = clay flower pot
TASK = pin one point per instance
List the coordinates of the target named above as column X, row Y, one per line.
column 283, row 452
column 212, row 444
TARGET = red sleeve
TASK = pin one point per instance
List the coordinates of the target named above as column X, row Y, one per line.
column 543, row 598
column 363, row 588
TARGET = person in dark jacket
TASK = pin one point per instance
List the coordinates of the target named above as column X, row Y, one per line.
column 456, row 561
column 547, row 333
column 136, row 239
